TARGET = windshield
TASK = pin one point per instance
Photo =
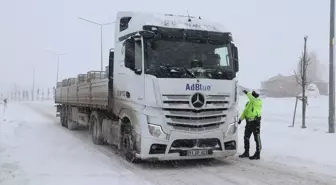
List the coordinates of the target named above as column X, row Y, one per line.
column 188, row 59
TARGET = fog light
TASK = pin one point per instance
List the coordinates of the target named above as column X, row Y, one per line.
column 231, row 145
column 157, row 149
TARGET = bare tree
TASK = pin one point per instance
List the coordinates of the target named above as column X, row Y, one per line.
column 315, row 68
column 301, row 79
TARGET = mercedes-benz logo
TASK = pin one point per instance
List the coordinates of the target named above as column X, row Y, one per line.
column 197, row 100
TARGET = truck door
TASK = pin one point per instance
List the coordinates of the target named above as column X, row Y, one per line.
column 133, row 89
column 139, row 78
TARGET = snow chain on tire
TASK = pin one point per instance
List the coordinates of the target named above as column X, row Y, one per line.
column 98, row 140
column 128, row 148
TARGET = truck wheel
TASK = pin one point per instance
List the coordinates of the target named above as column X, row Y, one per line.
column 128, row 144
column 65, row 120
column 96, row 131
column 62, row 116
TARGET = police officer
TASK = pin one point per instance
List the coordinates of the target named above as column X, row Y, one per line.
column 252, row 115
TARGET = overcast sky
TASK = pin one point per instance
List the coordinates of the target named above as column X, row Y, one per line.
column 269, row 34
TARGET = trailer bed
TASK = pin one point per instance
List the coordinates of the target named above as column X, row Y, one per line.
column 90, row 94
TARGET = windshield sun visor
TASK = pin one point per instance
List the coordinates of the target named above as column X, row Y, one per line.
column 188, row 34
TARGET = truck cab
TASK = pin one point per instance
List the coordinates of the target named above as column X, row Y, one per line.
column 172, row 81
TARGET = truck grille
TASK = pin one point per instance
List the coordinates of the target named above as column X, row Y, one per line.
column 187, row 144
column 182, row 115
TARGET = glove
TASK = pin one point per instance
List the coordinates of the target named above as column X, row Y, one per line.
column 245, row 91
column 239, row 121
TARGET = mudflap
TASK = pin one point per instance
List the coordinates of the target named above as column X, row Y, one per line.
column 58, row 108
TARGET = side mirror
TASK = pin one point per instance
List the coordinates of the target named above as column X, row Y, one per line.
column 130, row 54
column 235, row 57
column 111, row 62
column 147, row 34
column 138, row 71
column 111, row 56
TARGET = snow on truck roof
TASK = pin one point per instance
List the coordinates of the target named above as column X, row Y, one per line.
column 139, row 19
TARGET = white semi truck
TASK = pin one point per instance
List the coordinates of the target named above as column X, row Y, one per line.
column 168, row 93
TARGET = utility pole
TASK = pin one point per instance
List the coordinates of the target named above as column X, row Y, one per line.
column 101, row 49
column 58, row 61
column 331, row 119
column 304, row 82
column 15, row 92
column 33, row 84
column 101, row 38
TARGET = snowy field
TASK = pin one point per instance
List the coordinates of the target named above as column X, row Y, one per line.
column 36, row 150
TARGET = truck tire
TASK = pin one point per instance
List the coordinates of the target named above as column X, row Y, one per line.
column 62, row 116
column 96, row 131
column 65, row 120
column 128, row 142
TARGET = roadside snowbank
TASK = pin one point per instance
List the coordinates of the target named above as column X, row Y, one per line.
column 311, row 148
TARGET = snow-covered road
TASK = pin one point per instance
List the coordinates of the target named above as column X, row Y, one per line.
column 35, row 149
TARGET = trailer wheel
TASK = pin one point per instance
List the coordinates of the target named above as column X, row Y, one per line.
column 65, row 120
column 62, row 116
column 128, row 144
column 96, row 130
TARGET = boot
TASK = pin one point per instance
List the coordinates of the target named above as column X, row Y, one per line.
column 256, row 156
column 244, row 155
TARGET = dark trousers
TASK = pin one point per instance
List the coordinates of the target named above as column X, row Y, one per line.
column 252, row 127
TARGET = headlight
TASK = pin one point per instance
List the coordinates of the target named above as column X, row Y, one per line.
column 232, row 129
column 236, row 118
column 156, row 131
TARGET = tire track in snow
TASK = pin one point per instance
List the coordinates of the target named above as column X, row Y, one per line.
column 229, row 171
column 144, row 170
column 137, row 169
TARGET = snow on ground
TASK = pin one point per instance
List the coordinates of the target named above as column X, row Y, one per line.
column 35, row 149
column 312, row 146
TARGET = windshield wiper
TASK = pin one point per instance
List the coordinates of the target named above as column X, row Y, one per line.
column 174, row 70
column 221, row 73
column 188, row 72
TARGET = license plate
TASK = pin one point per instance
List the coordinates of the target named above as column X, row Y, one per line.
column 197, row 152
